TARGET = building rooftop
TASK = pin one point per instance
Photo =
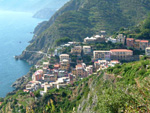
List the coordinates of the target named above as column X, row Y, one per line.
column 120, row 50
column 130, row 38
column 45, row 63
column 56, row 65
column 65, row 60
column 148, row 48
column 64, row 55
column 87, row 47
column 97, row 36
column 144, row 40
column 137, row 40
column 101, row 51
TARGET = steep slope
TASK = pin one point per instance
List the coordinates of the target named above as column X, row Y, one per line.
column 140, row 31
column 123, row 88
column 80, row 18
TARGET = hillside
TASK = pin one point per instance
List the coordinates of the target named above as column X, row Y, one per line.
column 81, row 18
column 78, row 19
column 123, row 88
column 140, row 31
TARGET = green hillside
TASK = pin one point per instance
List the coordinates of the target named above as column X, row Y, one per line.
column 123, row 88
column 140, row 31
column 81, row 18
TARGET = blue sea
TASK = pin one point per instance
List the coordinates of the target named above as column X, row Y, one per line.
column 15, row 33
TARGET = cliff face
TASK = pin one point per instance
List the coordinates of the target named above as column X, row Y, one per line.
column 80, row 18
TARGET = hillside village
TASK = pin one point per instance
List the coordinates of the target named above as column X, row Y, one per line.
column 64, row 67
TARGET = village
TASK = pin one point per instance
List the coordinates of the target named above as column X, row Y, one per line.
column 82, row 60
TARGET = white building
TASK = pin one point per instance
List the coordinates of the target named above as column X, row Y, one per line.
column 86, row 49
column 120, row 39
column 57, row 51
column 147, row 51
column 113, row 40
column 90, row 40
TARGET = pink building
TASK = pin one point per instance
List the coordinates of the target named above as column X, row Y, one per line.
column 130, row 42
column 37, row 75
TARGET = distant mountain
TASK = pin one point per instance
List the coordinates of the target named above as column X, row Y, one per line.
column 30, row 5
column 45, row 13
column 81, row 18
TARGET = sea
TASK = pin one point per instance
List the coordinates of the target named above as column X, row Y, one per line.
column 15, row 32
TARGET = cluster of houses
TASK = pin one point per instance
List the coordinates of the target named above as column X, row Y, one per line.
column 130, row 42
column 63, row 73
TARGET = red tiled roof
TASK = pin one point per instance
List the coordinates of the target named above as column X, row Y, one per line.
column 79, row 65
column 121, row 50
column 56, row 65
column 137, row 40
column 144, row 40
column 96, row 62
column 130, row 38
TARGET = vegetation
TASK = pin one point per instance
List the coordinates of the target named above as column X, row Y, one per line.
column 60, row 41
column 141, row 31
column 123, row 88
column 81, row 18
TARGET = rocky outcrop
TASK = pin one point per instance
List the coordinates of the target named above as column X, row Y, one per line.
column 30, row 56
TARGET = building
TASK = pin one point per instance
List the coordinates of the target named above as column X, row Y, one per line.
column 121, row 54
column 120, row 38
column 80, row 70
column 65, row 65
column 33, row 85
column 56, row 66
column 86, row 49
column 147, row 51
column 37, row 76
column 89, row 40
column 64, row 57
column 57, row 51
column 104, row 55
column 49, row 77
column 130, row 42
column 89, row 69
column 100, row 64
column 143, row 44
column 103, row 32
column 112, row 40
column 137, row 44
column 62, row 73
column 100, row 38
column 45, row 65
column 76, row 50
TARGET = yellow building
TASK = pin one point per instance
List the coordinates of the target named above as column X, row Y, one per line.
column 76, row 50
column 65, row 65
column 64, row 57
